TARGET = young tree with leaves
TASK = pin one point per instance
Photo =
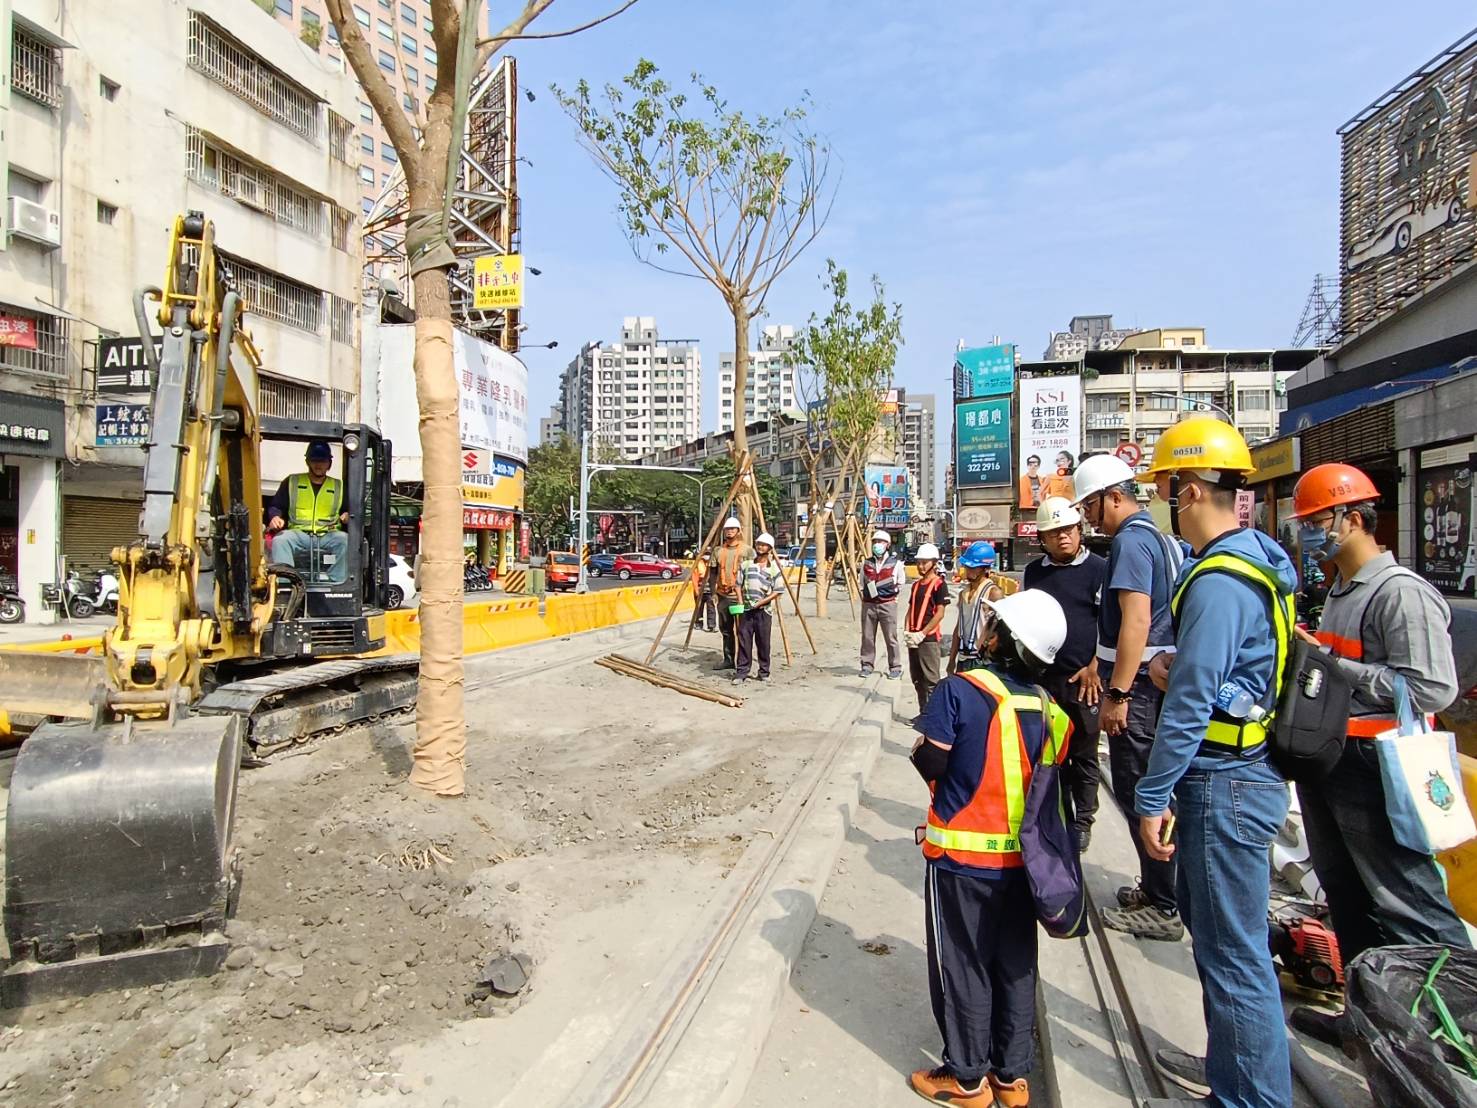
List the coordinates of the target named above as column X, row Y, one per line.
column 845, row 362
column 706, row 192
column 427, row 149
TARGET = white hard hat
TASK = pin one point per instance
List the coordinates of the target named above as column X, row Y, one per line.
column 882, row 536
column 1098, row 473
column 731, row 522
column 1035, row 621
column 767, row 539
column 927, row 553
column 1055, row 513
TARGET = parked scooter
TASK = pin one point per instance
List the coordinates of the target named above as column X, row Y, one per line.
column 12, row 607
column 107, row 592
column 77, row 597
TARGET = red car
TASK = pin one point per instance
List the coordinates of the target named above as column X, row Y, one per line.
column 645, row 565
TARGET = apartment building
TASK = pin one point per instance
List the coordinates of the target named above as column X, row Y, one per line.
column 1084, row 333
column 915, row 446
column 770, row 388
column 115, row 119
column 639, row 394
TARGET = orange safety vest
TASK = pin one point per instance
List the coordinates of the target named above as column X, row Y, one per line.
column 729, row 558
column 919, row 601
column 986, row 832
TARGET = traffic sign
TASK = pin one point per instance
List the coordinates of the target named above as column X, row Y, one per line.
column 1130, row 452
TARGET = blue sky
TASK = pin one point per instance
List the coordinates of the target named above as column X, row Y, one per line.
column 1004, row 166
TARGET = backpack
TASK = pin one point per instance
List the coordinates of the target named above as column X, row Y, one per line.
column 1048, row 846
column 1306, row 724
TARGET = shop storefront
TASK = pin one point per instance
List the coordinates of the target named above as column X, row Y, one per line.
column 32, row 443
column 492, row 505
column 1278, row 465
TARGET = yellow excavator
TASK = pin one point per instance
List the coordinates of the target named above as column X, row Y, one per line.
column 119, row 865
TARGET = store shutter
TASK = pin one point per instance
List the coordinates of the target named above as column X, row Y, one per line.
column 92, row 526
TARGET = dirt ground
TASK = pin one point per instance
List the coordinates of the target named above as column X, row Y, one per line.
column 601, row 813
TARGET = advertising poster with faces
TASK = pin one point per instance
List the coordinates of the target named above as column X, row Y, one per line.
column 1446, row 555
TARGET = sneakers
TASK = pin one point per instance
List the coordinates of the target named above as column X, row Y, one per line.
column 866, row 671
column 739, row 680
column 894, row 673
column 1016, row 1094
column 942, row 1087
column 1147, row 922
column 764, row 677
column 1132, row 896
column 1185, row 1070
column 1323, row 1026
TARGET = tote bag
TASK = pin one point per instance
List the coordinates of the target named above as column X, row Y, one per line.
column 1423, row 782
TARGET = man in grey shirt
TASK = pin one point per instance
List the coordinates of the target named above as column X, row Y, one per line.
column 1382, row 622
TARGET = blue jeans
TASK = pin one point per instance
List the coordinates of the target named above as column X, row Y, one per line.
column 320, row 557
column 1227, row 820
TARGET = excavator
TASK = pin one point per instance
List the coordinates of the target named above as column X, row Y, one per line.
column 120, row 869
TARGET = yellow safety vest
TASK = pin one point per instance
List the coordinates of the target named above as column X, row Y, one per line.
column 317, row 514
column 1248, row 734
column 986, row 832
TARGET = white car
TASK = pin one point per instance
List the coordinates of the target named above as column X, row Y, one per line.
column 402, row 583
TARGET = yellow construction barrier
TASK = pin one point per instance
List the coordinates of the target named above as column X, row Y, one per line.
column 569, row 615
column 1461, row 863
column 502, row 623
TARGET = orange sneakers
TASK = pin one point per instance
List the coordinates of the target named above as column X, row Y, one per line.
column 942, row 1087
column 1014, row 1095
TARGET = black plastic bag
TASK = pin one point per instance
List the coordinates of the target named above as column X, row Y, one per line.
column 1402, row 1063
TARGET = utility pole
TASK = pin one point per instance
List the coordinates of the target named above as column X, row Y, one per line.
column 582, row 582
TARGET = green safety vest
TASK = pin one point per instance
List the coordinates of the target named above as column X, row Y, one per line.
column 317, row 514
column 1282, row 608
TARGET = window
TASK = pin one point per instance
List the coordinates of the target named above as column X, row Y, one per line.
column 339, row 130
column 1254, row 400
column 430, row 56
column 386, row 31
column 412, row 75
column 412, row 105
column 261, row 188
column 289, row 399
column 1102, row 440
column 332, row 35
column 366, row 143
column 430, row 82
column 35, row 68
column 341, row 322
column 387, row 62
column 27, row 187
column 366, row 113
column 106, row 212
column 276, row 297
column 409, row 45
column 361, row 16
column 387, row 153
column 49, row 358
column 238, row 70
column 107, row 89
column 1105, row 403
column 285, row 7
column 366, row 174
column 407, row 15
column 1161, row 402
column 343, row 221
column 427, row 24
column 385, row 179
column 366, row 205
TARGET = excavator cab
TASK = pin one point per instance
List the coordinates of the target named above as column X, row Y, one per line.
column 325, row 609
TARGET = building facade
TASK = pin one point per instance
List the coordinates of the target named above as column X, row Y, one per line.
column 117, row 118
column 770, row 388
column 916, row 446
column 1083, row 334
column 640, row 394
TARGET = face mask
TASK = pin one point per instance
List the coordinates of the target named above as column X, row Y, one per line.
column 1318, row 542
column 879, row 549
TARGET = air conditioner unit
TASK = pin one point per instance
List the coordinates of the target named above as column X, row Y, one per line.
column 33, row 221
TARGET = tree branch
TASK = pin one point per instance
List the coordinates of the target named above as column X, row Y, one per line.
column 381, row 95
column 505, row 37
column 487, row 47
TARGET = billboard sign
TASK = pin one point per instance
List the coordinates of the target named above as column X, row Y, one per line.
column 497, row 281
column 1406, row 166
column 1051, row 431
column 1445, row 553
column 122, row 424
column 982, row 443
column 889, row 503
column 984, row 371
column 122, row 365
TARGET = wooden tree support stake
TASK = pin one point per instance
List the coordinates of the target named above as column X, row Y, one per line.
column 627, row 667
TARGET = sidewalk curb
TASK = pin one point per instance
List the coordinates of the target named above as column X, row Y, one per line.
column 720, row 1048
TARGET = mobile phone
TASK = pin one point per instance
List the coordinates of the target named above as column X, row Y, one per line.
column 1166, row 830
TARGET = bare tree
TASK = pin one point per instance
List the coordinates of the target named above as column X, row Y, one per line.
column 706, row 192
column 844, row 361
column 426, row 148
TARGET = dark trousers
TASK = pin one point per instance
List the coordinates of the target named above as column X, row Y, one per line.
column 754, row 628
column 982, row 971
column 705, row 612
column 1081, row 772
column 1128, row 759
column 926, row 668
column 727, row 626
column 1379, row 893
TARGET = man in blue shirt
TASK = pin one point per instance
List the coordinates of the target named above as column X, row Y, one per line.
column 1134, row 626
column 1229, row 799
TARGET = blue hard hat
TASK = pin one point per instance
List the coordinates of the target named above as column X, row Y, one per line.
column 318, row 451
column 978, row 554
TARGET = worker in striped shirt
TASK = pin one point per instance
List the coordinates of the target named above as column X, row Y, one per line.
column 758, row 584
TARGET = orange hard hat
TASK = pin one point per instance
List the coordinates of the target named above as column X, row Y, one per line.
column 1329, row 486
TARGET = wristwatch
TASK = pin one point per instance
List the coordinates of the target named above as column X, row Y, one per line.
column 1118, row 696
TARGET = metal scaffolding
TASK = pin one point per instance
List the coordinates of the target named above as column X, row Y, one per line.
column 484, row 208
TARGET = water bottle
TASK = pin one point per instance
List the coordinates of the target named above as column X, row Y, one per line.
column 1238, row 703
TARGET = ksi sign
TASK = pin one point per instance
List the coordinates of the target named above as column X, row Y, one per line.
column 497, row 281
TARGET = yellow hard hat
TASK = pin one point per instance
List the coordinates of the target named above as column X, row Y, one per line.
column 1202, row 443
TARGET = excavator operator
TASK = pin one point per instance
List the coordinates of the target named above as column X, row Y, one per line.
column 306, row 519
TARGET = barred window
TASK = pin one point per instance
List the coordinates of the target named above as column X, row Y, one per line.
column 339, row 130
column 234, row 176
column 343, row 319
column 340, row 405
column 236, row 69
column 343, row 221
column 273, row 296
column 35, row 68
column 286, row 399
column 49, row 358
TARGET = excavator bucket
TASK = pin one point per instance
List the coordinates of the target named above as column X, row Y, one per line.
column 119, row 867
